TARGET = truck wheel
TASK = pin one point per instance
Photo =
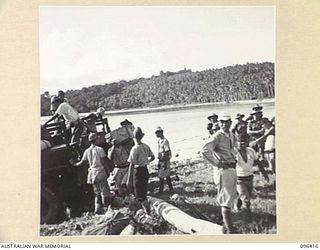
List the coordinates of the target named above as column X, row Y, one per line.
column 50, row 206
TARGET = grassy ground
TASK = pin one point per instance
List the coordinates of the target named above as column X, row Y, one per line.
column 193, row 180
column 196, row 184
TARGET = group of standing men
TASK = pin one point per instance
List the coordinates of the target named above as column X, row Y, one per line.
column 233, row 151
column 132, row 175
column 130, row 159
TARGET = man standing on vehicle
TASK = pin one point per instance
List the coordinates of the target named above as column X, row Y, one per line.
column 61, row 95
column 91, row 119
column 71, row 117
column 220, row 152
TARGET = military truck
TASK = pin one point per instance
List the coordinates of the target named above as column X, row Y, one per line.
column 63, row 186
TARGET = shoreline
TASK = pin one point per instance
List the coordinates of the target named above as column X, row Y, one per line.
column 167, row 108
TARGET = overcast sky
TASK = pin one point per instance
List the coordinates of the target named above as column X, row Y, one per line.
column 84, row 46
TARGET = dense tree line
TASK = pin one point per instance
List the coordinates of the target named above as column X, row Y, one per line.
column 238, row 82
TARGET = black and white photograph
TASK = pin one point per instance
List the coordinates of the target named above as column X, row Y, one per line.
column 157, row 120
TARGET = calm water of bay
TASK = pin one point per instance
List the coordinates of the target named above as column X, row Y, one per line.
column 185, row 129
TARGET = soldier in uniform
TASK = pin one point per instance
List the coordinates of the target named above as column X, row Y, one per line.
column 164, row 156
column 220, row 152
column 255, row 129
column 139, row 158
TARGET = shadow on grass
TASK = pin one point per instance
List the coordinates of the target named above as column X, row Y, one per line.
column 266, row 192
column 266, row 189
column 260, row 223
column 267, row 196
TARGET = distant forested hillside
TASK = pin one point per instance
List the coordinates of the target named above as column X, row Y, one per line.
column 238, row 82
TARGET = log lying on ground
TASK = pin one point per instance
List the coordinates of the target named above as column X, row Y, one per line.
column 183, row 221
column 188, row 203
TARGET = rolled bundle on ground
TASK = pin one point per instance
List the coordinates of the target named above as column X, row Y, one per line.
column 183, row 221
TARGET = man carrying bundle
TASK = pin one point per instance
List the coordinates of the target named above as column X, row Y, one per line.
column 119, row 154
column 220, row 152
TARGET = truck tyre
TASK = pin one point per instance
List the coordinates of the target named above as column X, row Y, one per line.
column 51, row 208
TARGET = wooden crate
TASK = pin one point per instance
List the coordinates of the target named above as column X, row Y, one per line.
column 123, row 134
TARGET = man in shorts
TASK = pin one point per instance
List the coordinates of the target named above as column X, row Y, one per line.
column 269, row 140
column 98, row 173
column 220, row 152
column 246, row 159
column 270, row 147
column 164, row 156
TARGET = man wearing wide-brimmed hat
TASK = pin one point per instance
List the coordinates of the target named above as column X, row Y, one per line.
column 164, row 156
column 139, row 158
column 125, row 122
column 255, row 128
column 257, row 108
column 98, row 173
column 220, row 152
column 213, row 118
column 240, row 125
column 240, row 128
column 240, row 117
